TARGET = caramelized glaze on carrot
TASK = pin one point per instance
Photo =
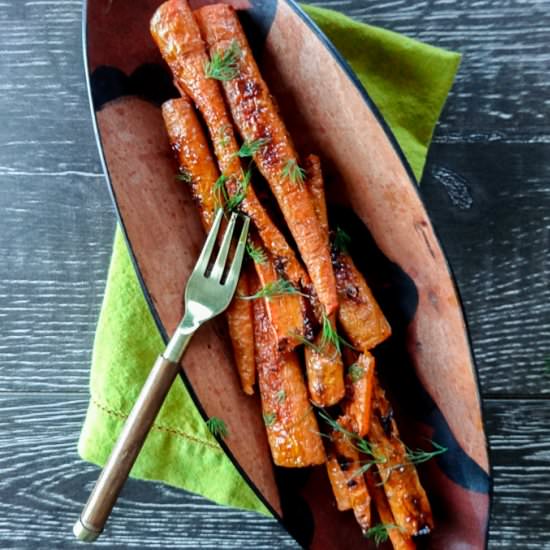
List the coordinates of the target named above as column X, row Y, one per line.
column 339, row 484
column 188, row 141
column 360, row 385
column 292, row 429
column 178, row 38
column 257, row 118
column 406, row 496
column 359, row 314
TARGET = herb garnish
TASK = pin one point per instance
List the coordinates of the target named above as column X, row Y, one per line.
column 224, row 66
column 281, row 396
column 356, row 372
column 293, row 172
column 341, row 240
column 269, row 419
column 184, row 176
column 380, row 533
column 217, row 427
column 240, row 194
column 257, row 253
column 417, row 456
column 280, row 287
column 250, row 148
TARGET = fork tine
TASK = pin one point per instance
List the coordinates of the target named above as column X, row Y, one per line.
column 219, row 265
column 206, row 252
column 236, row 264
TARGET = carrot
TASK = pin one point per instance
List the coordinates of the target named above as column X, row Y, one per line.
column 324, row 365
column 292, row 429
column 350, row 463
column 406, row 496
column 285, row 311
column 398, row 539
column 338, row 482
column 193, row 152
column 257, row 118
column 325, row 369
column 360, row 384
column 359, row 314
column 197, row 164
column 178, row 38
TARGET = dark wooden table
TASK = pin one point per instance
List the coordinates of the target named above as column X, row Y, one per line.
column 487, row 186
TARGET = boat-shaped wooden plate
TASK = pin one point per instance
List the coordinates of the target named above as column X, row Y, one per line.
column 427, row 364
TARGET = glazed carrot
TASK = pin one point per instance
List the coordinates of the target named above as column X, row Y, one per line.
column 316, row 186
column 197, row 164
column 360, row 384
column 350, row 463
column 193, row 152
column 285, row 310
column 398, row 539
column 178, row 38
column 406, row 496
column 324, row 365
column 292, row 429
column 257, row 118
column 338, row 482
column 359, row 314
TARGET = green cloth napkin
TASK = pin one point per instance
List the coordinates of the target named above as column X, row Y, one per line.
column 409, row 82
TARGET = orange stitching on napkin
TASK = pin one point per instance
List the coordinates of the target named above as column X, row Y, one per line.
column 159, row 427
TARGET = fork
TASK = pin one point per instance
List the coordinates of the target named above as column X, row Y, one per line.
column 207, row 294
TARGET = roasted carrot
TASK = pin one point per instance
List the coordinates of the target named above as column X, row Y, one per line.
column 257, row 118
column 292, row 429
column 178, row 38
column 197, row 164
column 360, row 384
column 350, row 463
column 285, row 310
column 359, row 313
column 406, row 496
column 399, row 540
column 339, row 484
column 324, row 365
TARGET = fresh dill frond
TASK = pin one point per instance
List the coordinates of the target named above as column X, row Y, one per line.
column 224, row 66
column 293, row 172
column 250, row 148
column 280, row 287
column 217, row 427
column 330, row 336
column 219, row 191
column 184, row 176
column 356, row 372
column 269, row 419
column 238, row 197
column 257, row 253
column 281, row 396
column 380, row 533
column 418, row 456
column 341, row 240
column 303, row 340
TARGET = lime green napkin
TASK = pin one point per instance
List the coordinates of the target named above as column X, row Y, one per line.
column 409, row 81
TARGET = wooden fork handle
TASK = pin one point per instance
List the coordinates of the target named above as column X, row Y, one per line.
column 122, row 458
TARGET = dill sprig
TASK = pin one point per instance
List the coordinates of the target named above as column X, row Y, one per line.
column 293, row 172
column 380, row 533
column 184, row 176
column 250, row 148
column 235, row 200
column 330, row 336
column 281, row 396
column 280, row 287
column 341, row 240
column 356, row 372
column 269, row 418
column 418, row 456
column 217, row 427
column 224, row 66
column 257, row 253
